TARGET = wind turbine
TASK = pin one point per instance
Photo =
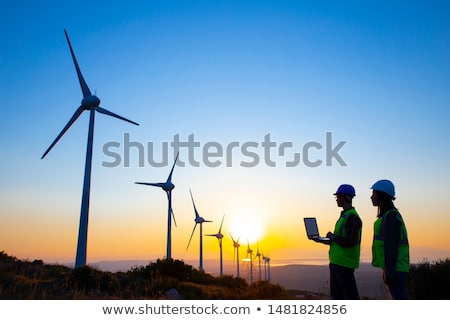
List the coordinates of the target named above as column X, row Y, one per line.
column 167, row 186
column 236, row 253
column 89, row 103
column 258, row 255
column 198, row 220
column 219, row 237
column 266, row 267
column 250, row 253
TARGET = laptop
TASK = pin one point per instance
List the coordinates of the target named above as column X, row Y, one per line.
column 312, row 230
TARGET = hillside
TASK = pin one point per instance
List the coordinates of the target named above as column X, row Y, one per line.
column 174, row 279
column 163, row 279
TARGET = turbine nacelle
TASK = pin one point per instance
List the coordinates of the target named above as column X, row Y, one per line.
column 90, row 102
column 168, row 186
column 199, row 219
column 235, row 242
column 217, row 235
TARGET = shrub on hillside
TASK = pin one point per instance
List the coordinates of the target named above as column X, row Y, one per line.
column 430, row 280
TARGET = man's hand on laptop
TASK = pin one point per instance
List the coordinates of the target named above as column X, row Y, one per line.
column 330, row 235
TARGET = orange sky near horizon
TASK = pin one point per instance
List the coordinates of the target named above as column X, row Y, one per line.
column 279, row 231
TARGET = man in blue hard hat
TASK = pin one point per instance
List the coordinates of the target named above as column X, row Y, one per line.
column 345, row 246
column 390, row 246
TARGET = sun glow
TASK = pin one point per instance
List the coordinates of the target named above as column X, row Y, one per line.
column 246, row 225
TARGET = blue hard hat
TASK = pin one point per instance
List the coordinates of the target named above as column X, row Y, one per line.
column 346, row 189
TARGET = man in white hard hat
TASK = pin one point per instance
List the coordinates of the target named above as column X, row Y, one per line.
column 390, row 247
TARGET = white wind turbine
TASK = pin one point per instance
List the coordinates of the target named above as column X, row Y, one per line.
column 236, row 246
column 219, row 237
column 198, row 220
column 89, row 103
column 167, row 186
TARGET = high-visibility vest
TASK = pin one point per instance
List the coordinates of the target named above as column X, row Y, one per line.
column 345, row 256
column 402, row 263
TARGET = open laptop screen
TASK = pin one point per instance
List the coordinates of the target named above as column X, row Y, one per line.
column 312, row 230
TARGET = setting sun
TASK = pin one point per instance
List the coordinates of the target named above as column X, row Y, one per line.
column 246, row 224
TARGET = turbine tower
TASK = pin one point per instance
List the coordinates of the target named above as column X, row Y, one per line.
column 167, row 186
column 219, row 237
column 236, row 254
column 89, row 103
column 198, row 220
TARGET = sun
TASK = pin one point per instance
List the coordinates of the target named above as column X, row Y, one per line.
column 247, row 225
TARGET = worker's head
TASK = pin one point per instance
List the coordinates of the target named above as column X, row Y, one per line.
column 344, row 195
column 383, row 191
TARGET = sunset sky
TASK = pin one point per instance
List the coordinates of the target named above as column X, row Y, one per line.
column 360, row 91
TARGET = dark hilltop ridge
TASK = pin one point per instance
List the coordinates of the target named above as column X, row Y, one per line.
column 174, row 279
column 163, row 279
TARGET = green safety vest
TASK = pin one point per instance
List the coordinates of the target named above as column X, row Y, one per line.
column 402, row 263
column 345, row 256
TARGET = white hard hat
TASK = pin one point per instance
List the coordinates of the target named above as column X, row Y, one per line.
column 385, row 186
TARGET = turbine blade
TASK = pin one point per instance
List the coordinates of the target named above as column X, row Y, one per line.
column 193, row 230
column 109, row 113
column 220, row 229
column 169, row 198
column 193, row 203
column 84, row 86
column 151, row 184
column 173, row 216
column 169, row 179
column 74, row 118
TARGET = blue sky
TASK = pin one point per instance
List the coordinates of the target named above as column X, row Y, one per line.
column 375, row 75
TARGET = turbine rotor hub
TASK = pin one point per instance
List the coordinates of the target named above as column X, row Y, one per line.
column 169, row 186
column 199, row 220
column 90, row 102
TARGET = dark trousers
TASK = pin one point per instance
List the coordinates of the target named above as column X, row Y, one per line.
column 399, row 287
column 343, row 283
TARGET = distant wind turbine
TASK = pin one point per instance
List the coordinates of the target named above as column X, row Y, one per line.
column 250, row 259
column 236, row 246
column 258, row 255
column 266, row 267
column 198, row 220
column 91, row 103
column 167, row 186
column 219, row 237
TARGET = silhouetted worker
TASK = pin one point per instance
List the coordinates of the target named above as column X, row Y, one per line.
column 390, row 247
column 345, row 246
